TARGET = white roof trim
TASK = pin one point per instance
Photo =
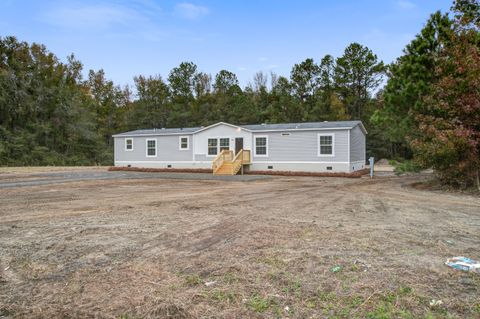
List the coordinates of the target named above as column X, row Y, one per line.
column 304, row 129
column 153, row 134
column 362, row 127
column 221, row 123
column 159, row 133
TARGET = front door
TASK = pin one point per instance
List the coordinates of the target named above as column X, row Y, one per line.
column 238, row 144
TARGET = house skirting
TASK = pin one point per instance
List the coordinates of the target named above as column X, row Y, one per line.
column 301, row 166
column 166, row 164
column 355, row 166
column 344, row 167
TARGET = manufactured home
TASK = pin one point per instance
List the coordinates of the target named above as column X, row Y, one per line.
column 229, row 149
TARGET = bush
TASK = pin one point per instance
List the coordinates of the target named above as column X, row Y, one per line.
column 405, row 166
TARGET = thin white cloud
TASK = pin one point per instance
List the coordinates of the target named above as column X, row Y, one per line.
column 242, row 68
column 375, row 34
column 90, row 16
column 405, row 4
column 191, row 11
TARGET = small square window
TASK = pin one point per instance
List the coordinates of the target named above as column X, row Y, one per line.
column 325, row 145
column 129, row 144
column 261, row 146
column 184, row 142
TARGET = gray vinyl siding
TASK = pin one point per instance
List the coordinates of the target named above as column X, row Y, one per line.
column 167, row 149
column 357, row 144
column 203, row 158
column 302, row 146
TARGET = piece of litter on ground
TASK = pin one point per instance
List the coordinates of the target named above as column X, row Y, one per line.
column 363, row 264
column 8, row 267
column 336, row 269
column 210, row 283
column 448, row 241
column 287, row 308
column 435, row 303
column 463, row 263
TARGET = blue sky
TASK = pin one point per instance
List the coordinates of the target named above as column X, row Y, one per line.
column 128, row 38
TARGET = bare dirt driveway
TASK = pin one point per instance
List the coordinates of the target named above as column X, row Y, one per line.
column 126, row 245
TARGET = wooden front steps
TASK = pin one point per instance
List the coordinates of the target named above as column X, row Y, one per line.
column 225, row 169
column 227, row 164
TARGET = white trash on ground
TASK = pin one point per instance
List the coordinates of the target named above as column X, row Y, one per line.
column 463, row 263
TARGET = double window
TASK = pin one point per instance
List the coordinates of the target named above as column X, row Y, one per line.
column 325, row 145
column 151, row 147
column 129, row 144
column 183, row 143
column 216, row 145
column 261, row 146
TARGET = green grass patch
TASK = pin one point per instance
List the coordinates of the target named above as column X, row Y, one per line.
column 230, row 278
column 405, row 166
column 222, row 296
column 258, row 303
column 193, row 280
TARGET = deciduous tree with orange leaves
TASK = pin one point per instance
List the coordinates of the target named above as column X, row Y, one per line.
column 450, row 121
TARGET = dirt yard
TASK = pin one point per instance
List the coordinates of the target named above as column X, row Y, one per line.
column 148, row 246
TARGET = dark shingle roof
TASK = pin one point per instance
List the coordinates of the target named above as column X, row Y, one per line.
column 251, row 127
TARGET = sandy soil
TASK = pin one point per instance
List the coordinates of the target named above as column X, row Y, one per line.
column 279, row 248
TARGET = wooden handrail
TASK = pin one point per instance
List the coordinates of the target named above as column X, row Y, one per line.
column 220, row 158
column 236, row 161
column 246, row 156
column 239, row 154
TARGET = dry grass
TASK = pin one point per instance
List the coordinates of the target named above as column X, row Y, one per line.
column 356, row 174
column 43, row 169
column 159, row 170
column 296, row 247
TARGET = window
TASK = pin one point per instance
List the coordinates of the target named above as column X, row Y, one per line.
column 325, row 145
column 129, row 144
column 212, row 146
column 151, row 148
column 183, row 141
column 224, row 144
column 216, row 145
column 261, row 146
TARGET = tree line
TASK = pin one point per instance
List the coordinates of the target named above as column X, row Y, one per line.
column 425, row 105
column 51, row 115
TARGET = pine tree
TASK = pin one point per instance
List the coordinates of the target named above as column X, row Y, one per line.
column 410, row 79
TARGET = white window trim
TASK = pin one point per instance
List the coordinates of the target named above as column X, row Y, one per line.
column 333, row 145
column 255, row 145
column 218, row 144
column 146, row 147
column 128, row 139
column 180, row 143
